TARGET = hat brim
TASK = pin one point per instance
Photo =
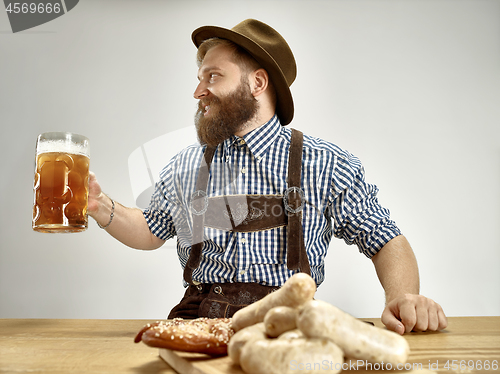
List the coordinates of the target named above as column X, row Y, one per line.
column 284, row 105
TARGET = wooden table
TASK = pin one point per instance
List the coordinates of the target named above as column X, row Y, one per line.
column 106, row 346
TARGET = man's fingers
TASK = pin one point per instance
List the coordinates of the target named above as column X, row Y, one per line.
column 391, row 322
column 94, row 187
column 94, row 192
column 430, row 315
column 413, row 313
column 433, row 324
column 423, row 314
column 416, row 313
column 408, row 314
column 443, row 321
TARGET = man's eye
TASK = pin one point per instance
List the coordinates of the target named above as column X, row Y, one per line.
column 213, row 76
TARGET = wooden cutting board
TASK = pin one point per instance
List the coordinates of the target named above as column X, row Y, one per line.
column 196, row 363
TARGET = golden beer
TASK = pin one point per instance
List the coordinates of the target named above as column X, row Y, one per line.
column 61, row 183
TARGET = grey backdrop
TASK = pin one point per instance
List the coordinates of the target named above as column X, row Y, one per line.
column 410, row 87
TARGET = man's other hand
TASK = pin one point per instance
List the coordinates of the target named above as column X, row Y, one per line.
column 413, row 313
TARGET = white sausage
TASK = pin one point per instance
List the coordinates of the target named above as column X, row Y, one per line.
column 297, row 290
column 357, row 339
column 279, row 320
column 242, row 337
column 291, row 356
column 292, row 334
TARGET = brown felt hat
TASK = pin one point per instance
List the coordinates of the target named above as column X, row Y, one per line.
column 269, row 48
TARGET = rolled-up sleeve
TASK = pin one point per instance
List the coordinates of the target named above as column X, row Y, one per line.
column 164, row 202
column 357, row 216
column 160, row 223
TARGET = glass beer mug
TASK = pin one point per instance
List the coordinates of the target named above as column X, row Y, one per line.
column 61, row 183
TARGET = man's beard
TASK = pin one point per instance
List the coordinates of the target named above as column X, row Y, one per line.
column 228, row 115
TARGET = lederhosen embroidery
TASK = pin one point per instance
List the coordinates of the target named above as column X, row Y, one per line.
column 244, row 213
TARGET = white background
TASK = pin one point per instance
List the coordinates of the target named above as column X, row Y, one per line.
column 410, row 87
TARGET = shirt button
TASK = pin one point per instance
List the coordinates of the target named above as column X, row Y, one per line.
column 244, row 170
column 242, row 272
column 243, row 240
column 242, row 142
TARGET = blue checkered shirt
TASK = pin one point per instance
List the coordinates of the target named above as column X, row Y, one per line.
column 338, row 203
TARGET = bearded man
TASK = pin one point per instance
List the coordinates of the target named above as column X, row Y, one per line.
column 255, row 202
column 222, row 113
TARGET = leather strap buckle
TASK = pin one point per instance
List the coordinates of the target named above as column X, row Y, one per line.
column 198, row 195
column 286, row 199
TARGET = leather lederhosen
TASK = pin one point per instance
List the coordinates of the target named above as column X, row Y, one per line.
column 242, row 213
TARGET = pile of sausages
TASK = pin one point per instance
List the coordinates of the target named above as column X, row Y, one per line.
column 288, row 326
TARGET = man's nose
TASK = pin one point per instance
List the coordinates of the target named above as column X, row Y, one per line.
column 201, row 91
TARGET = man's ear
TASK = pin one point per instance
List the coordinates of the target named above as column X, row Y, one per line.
column 259, row 81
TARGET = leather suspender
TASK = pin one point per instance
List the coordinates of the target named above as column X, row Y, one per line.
column 293, row 201
column 198, row 207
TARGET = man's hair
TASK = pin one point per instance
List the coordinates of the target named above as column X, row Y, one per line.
column 241, row 57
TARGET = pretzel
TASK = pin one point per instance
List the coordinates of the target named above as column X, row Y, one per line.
column 201, row 335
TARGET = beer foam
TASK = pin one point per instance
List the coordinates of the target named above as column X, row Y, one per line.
column 62, row 146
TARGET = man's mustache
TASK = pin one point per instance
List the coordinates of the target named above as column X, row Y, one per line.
column 209, row 101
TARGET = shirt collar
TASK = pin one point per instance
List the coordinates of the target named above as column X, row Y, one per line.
column 258, row 140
